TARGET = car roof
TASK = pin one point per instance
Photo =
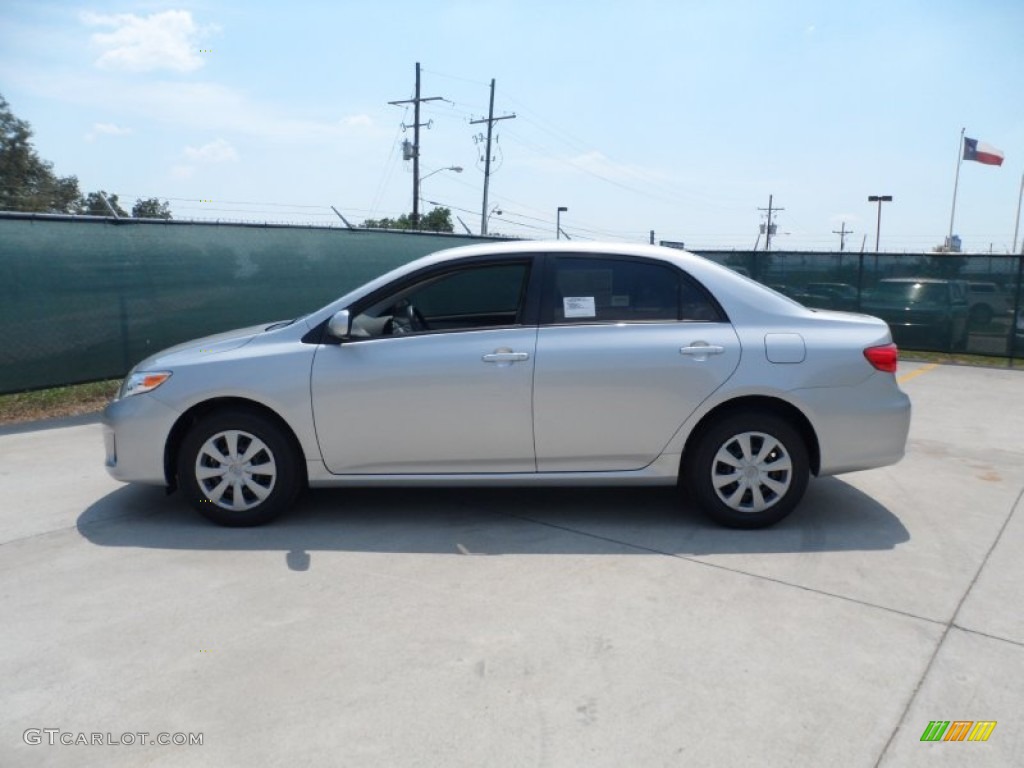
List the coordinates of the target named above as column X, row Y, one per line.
column 917, row 280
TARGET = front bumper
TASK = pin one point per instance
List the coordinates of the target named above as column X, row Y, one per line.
column 135, row 431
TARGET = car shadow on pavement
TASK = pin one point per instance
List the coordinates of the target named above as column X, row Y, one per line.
column 834, row 516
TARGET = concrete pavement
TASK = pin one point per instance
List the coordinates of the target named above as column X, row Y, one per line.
column 559, row 627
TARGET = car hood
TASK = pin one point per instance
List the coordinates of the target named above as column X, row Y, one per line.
column 201, row 348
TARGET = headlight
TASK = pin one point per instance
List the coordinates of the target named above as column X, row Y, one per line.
column 142, row 381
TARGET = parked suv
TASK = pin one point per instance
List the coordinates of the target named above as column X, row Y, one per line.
column 922, row 312
column 985, row 301
column 836, row 295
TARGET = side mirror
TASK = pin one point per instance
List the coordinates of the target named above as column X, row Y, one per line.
column 340, row 326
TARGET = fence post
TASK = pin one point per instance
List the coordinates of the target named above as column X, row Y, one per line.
column 125, row 349
column 860, row 280
column 1016, row 309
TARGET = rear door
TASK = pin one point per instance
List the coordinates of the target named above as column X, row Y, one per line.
column 627, row 350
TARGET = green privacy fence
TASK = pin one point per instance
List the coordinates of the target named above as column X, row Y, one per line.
column 85, row 298
column 947, row 302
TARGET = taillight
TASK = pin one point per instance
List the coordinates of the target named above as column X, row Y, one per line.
column 884, row 358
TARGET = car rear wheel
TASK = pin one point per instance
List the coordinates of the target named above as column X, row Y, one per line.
column 749, row 470
column 239, row 468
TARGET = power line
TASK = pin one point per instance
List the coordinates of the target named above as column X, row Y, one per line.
column 455, row 77
column 677, row 195
column 389, row 166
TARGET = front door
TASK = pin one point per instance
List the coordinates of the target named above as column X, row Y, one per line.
column 437, row 378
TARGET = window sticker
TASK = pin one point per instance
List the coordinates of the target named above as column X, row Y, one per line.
column 579, row 306
column 586, row 282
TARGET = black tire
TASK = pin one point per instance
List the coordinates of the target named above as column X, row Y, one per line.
column 736, row 504
column 236, row 494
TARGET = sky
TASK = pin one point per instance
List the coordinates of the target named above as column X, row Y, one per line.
column 679, row 117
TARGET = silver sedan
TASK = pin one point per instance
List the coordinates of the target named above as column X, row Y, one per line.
column 521, row 363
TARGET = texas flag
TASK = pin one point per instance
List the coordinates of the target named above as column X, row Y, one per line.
column 980, row 152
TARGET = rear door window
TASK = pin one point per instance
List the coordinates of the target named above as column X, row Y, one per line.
column 581, row 289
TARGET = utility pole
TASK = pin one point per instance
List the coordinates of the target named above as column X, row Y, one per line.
column 842, row 232
column 768, row 229
column 491, row 120
column 416, row 144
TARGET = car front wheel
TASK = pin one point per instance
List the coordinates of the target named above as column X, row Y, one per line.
column 238, row 468
column 749, row 470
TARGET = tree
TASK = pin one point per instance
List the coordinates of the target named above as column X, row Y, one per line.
column 28, row 183
column 438, row 220
column 93, row 205
column 151, row 208
column 385, row 223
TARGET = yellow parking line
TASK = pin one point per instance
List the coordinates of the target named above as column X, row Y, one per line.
column 923, row 369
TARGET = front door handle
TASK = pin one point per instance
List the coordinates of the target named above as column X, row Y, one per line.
column 502, row 356
column 701, row 350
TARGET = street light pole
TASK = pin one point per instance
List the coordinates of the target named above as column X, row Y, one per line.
column 878, row 225
column 558, row 221
column 455, row 168
column 496, row 210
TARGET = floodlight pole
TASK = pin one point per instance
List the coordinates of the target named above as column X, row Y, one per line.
column 558, row 221
column 878, row 225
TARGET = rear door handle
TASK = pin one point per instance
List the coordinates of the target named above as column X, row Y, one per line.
column 701, row 351
column 506, row 357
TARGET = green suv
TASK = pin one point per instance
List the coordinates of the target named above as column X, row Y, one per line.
column 922, row 312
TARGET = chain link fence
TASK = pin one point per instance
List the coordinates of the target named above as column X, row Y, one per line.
column 946, row 302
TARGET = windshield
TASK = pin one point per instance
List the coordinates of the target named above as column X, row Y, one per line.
column 912, row 292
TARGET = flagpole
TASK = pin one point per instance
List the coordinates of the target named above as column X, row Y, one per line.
column 1016, row 226
column 952, row 213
